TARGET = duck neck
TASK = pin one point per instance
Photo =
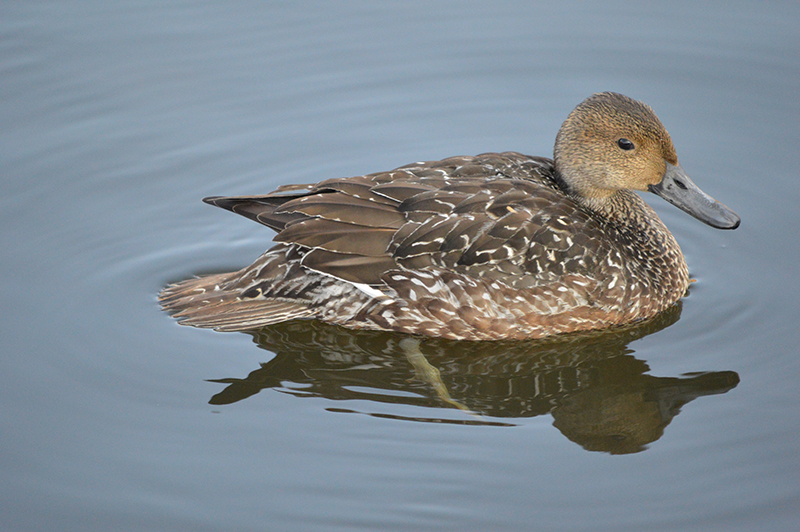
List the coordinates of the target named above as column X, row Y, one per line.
column 624, row 209
column 638, row 227
column 626, row 212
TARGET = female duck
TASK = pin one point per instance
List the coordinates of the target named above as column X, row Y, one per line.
column 496, row 246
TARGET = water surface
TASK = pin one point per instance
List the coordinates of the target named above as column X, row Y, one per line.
column 118, row 117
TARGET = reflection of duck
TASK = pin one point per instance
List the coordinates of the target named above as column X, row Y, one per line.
column 595, row 390
column 624, row 410
column 497, row 246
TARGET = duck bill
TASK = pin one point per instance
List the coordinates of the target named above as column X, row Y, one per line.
column 678, row 189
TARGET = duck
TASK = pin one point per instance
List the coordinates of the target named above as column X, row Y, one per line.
column 496, row 246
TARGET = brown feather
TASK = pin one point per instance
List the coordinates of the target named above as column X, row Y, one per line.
column 343, row 208
column 338, row 236
column 353, row 268
column 244, row 315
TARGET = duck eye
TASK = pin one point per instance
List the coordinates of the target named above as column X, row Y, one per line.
column 625, row 144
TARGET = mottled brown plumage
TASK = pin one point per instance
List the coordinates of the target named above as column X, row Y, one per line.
column 496, row 246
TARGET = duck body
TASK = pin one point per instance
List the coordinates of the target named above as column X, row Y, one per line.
column 495, row 246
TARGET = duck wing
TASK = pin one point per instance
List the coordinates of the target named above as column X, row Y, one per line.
column 494, row 215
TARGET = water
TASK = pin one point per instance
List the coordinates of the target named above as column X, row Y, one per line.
column 118, row 117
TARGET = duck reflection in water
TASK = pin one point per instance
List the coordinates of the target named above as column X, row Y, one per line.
column 597, row 392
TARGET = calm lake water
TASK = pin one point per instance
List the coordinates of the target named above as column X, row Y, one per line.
column 117, row 117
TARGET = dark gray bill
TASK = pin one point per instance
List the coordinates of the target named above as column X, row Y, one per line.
column 678, row 189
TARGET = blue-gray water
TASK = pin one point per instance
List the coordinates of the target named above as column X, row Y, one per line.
column 117, row 117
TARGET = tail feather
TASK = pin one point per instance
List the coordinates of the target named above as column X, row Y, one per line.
column 204, row 302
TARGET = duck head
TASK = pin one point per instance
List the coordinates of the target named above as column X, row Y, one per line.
column 610, row 142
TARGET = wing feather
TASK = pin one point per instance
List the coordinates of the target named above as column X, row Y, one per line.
column 338, row 237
